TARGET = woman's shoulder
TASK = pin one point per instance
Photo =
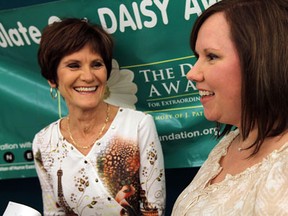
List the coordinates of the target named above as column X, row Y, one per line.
column 279, row 156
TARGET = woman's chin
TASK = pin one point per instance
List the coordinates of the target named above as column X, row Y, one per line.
column 209, row 116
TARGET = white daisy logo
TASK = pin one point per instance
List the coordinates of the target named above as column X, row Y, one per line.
column 120, row 89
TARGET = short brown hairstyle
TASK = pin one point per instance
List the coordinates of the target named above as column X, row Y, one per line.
column 67, row 36
column 259, row 31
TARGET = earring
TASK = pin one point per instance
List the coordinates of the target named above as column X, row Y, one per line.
column 106, row 92
column 53, row 93
column 85, row 19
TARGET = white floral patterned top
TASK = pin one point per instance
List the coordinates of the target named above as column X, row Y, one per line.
column 123, row 174
column 259, row 190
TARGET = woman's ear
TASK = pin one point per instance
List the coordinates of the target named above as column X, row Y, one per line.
column 52, row 84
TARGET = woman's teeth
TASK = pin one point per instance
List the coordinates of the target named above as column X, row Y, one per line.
column 86, row 89
column 205, row 93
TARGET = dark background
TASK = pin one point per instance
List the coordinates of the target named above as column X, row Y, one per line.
column 27, row 190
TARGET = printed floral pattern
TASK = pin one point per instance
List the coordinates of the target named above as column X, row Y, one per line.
column 124, row 167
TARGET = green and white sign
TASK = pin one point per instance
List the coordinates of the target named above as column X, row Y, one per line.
column 151, row 58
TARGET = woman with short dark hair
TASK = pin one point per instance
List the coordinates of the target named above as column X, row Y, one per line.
column 101, row 159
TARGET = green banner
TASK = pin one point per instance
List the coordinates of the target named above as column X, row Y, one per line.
column 152, row 56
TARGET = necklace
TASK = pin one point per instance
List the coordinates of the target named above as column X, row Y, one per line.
column 99, row 134
column 240, row 148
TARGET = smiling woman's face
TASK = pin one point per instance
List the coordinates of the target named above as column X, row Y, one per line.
column 217, row 72
column 81, row 79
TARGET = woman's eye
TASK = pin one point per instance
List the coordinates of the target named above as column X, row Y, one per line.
column 97, row 64
column 73, row 65
column 211, row 56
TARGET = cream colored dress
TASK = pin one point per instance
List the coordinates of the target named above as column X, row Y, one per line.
column 259, row 190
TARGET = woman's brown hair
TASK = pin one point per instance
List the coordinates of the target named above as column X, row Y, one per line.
column 67, row 36
column 259, row 31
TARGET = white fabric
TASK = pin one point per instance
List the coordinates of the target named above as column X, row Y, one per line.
column 128, row 154
column 259, row 190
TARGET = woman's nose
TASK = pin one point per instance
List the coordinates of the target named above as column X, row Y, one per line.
column 195, row 73
column 87, row 74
